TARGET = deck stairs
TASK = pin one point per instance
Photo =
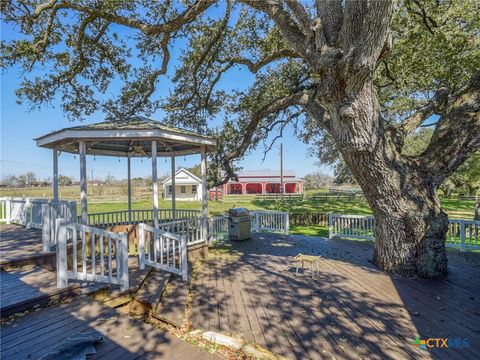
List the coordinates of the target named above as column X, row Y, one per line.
column 164, row 295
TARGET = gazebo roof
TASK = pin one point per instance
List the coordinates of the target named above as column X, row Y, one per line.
column 132, row 137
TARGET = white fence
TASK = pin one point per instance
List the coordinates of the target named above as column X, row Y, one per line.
column 462, row 234
column 91, row 254
column 4, row 210
column 28, row 211
column 217, row 228
column 264, row 220
column 191, row 229
column 351, row 226
column 261, row 220
column 50, row 213
column 123, row 217
column 162, row 250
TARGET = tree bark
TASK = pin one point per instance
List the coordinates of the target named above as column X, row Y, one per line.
column 410, row 224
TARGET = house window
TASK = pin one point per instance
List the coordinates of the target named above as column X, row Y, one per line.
column 183, row 189
column 170, row 189
column 194, row 189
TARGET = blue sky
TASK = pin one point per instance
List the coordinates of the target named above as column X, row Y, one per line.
column 20, row 125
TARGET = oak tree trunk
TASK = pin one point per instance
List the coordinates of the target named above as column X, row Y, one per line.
column 410, row 224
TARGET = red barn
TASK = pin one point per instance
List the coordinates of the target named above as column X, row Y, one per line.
column 264, row 182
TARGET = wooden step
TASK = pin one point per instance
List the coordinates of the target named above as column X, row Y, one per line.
column 171, row 307
column 28, row 288
column 152, row 288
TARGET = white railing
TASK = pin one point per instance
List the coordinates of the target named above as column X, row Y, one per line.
column 351, row 226
column 123, row 217
column 264, row 220
column 91, row 254
column 217, row 228
column 162, row 250
column 191, row 229
column 28, row 211
column 50, row 213
column 4, row 210
column 463, row 234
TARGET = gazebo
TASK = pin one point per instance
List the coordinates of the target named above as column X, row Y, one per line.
column 135, row 137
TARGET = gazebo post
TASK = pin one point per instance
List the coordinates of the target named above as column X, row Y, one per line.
column 82, row 149
column 129, row 189
column 55, row 176
column 154, row 183
column 203, row 170
column 174, row 215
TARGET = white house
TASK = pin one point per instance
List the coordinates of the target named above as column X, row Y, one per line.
column 187, row 186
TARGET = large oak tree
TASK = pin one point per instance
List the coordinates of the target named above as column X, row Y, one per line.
column 364, row 73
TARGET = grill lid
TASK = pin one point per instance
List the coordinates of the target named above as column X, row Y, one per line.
column 238, row 212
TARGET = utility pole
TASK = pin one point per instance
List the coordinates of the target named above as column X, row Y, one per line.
column 281, row 171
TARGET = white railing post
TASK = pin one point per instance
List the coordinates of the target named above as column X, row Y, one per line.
column 287, row 223
column 46, row 227
column 123, row 261
column 184, row 261
column 62, row 280
column 330, row 226
column 141, row 246
column 462, row 236
column 8, row 210
column 28, row 217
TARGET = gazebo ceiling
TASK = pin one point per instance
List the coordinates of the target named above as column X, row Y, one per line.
column 132, row 137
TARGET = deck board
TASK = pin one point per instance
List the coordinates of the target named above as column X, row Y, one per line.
column 18, row 244
column 125, row 337
column 351, row 310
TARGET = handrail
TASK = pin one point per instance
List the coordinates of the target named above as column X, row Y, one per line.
column 28, row 211
column 103, row 255
column 162, row 250
column 267, row 220
column 137, row 216
column 191, row 229
column 462, row 234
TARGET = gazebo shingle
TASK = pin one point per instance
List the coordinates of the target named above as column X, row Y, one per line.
column 130, row 137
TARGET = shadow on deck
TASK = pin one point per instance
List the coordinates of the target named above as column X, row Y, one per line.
column 351, row 310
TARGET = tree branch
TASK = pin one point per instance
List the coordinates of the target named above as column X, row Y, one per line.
column 303, row 18
column 267, row 59
column 457, row 133
column 412, row 122
column 274, row 107
column 363, row 36
column 330, row 13
column 148, row 29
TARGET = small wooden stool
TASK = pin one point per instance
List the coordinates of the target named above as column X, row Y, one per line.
column 310, row 259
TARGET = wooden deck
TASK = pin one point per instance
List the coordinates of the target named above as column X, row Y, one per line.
column 20, row 246
column 352, row 310
column 36, row 334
